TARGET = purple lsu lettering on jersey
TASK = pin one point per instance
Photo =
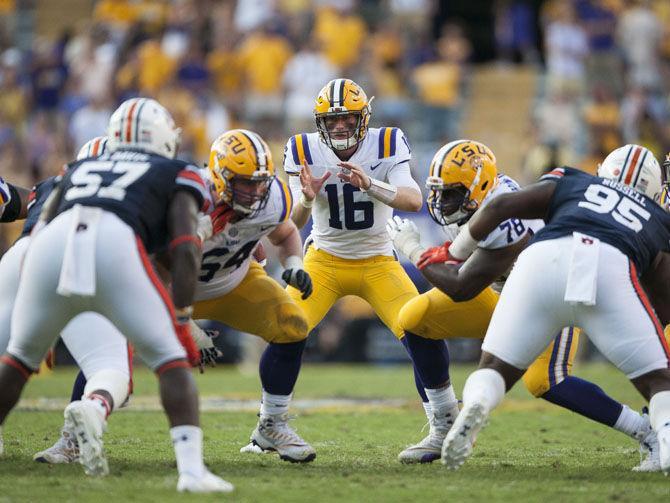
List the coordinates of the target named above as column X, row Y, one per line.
column 614, row 213
column 135, row 186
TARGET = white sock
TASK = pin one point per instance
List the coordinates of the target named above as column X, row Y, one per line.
column 485, row 386
column 441, row 400
column 274, row 404
column 630, row 422
column 102, row 405
column 428, row 409
column 187, row 442
column 2, row 443
column 659, row 410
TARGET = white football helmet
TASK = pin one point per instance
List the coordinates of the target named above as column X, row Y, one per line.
column 93, row 148
column 635, row 166
column 143, row 124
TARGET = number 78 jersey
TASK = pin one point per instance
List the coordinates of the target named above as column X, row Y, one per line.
column 347, row 222
column 606, row 209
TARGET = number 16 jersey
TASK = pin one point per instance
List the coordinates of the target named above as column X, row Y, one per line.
column 347, row 222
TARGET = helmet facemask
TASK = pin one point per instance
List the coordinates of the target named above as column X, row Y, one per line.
column 355, row 132
column 449, row 204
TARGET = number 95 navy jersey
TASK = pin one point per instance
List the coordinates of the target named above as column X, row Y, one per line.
column 135, row 186
column 608, row 210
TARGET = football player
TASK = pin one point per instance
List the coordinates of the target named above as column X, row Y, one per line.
column 463, row 178
column 349, row 251
column 105, row 216
column 603, row 237
column 234, row 289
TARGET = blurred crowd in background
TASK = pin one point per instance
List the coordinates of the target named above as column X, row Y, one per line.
column 602, row 70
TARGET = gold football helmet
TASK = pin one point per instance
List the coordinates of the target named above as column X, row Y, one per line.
column 461, row 174
column 342, row 99
column 241, row 167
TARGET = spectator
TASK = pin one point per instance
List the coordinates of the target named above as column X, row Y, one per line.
column 439, row 84
column 263, row 56
column 304, row 76
column 639, row 34
column 567, row 47
column 603, row 65
column 89, row 121
column 341, row 32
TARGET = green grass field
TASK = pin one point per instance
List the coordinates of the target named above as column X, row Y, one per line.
column 531, row 451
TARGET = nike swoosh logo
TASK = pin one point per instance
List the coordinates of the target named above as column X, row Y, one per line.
column 266, row 227
column 372, row 168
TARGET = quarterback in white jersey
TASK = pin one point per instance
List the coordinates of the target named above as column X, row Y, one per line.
column 234, row 289
column 350, row 252
column 463, row 179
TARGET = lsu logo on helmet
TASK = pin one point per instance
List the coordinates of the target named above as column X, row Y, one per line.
column 342, row 98
column 461, row 174
column 241, row 167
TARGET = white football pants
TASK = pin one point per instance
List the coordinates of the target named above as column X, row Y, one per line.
column 622, row 324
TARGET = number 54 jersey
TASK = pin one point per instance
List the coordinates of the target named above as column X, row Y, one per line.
column 226, row 256
column 347, row 222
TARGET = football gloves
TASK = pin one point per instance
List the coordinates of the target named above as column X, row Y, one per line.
column 406, row 238
column 437, row 255
column 300, row 279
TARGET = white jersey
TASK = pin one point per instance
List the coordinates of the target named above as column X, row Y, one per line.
column 347, row 222
column 226, row 256
column 510, row 231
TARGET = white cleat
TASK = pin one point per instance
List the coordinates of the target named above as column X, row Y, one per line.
column 207, row 483
column 2, row 443
column 65, row 450
column 457, row 446
column 272, row 433
column 664, row 448
column 649, row 455
column 88, row 427
column 430, row 448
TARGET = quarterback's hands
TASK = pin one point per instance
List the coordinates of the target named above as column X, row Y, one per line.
column 220, row 217
column 437, row 255
column 405, row 236
column 354, row 174
column 300, row 279
column 311, row 185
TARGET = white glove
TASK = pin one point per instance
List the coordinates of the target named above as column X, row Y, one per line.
column 406, row 238
column 205, row 229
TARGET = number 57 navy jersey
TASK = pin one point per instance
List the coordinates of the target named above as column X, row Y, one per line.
column 135, row 186
column 608, row 210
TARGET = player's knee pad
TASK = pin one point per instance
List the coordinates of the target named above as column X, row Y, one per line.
column 114, row 382
column 412, row 314
column 536, row 380
column 291, row 324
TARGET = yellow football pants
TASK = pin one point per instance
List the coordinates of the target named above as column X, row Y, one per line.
column 435, row 315
column 259, row 306
column 379, row 280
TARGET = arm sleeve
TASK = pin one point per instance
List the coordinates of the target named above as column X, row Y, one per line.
column 295, row 186
column 401, row 176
